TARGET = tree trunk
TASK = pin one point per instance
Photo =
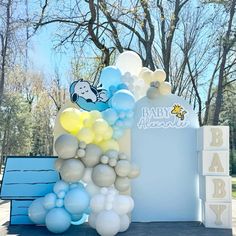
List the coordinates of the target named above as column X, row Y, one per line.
column 226, row 48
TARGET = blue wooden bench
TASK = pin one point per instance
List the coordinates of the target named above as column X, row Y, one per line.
column 25, row 179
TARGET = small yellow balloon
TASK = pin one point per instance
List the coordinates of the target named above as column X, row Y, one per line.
column 108, row 134
column 98, row 139
column 95, row 115
column 70, row 120
column 88, row 122
column 85, row 115
column 86, row 135
column 109, row 144
column 100, row 126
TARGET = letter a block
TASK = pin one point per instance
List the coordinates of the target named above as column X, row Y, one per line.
column 213, row 138
column 216, row 189
column 217, row 215
column 214, row 163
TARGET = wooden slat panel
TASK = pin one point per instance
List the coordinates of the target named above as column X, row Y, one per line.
column 21, row 220
column 20, row 206
column 28, row 178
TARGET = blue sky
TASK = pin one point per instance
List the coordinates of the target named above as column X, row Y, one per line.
column 43, row 56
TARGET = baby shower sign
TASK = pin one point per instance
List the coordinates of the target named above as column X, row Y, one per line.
column 164, row 145
column 163, row 117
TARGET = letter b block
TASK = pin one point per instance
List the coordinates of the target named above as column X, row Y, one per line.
column 213, row 138
column 216, row 188
column 217, row 215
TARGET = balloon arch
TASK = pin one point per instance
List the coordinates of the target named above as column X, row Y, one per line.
column 95, row 173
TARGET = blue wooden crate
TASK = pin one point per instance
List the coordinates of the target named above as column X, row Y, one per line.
column 25, row 179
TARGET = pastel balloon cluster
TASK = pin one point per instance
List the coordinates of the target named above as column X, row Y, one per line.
column 108, row 168
column 89, row 127
column 66, row 205
column 109, row 211
column 95, row 173
column 120, row 114
column 156, row 80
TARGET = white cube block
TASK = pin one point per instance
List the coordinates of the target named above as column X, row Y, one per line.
column 217, row 215
column 213, row 138
column 213, row 163
column 215, row 188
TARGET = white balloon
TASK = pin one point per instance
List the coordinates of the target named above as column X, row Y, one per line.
column 165, row 88
column 92, row 220
column 108, row 223
column 159, row 75
column 97, row 203
column 124, row 223
column 129, row 61
column 122, row 204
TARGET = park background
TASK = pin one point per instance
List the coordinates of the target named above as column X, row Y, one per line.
column 45, row 45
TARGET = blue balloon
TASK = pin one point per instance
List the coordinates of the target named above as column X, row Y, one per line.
column 58, row 220
column 122, row 86
column 118, row 133
column 78, row 219
column 49, row 201
column 123, row 100
column 60, row 186
column 110, row 75
column 76, row 201
column 37, row 212
column 110, row 116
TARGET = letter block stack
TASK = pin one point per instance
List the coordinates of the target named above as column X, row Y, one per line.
column 215, row 182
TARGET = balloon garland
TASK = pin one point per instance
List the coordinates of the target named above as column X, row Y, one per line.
column 95, row 174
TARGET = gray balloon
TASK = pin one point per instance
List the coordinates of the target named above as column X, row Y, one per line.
column 122, row 184
column 152, row 93
column 134, row 171
column 92, row 155
column 112, row 153
column 103, row 175
column 58, row 164
column 122, row 168
column 66, row 146
column 72, row 170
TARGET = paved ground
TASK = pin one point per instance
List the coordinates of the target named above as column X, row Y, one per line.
column 136, row 229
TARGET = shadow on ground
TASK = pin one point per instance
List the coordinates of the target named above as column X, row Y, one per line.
column 136, row 229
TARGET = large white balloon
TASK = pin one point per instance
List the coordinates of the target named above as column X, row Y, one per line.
column 92, row 155
column 108, row 223
column 129, row 61
column 92, row 220
column 123, row 204
column 97, row 203
column 124, row 223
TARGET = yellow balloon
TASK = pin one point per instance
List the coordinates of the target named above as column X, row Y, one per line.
column 108, row 134
column 95, row 115
column 70, row 120
column 100, row 126
column 86, row 135
column 109, row 144
column 98, row 139
column 84, row 115
column 88, row 122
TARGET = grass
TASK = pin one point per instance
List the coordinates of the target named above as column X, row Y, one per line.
column 234, row 187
